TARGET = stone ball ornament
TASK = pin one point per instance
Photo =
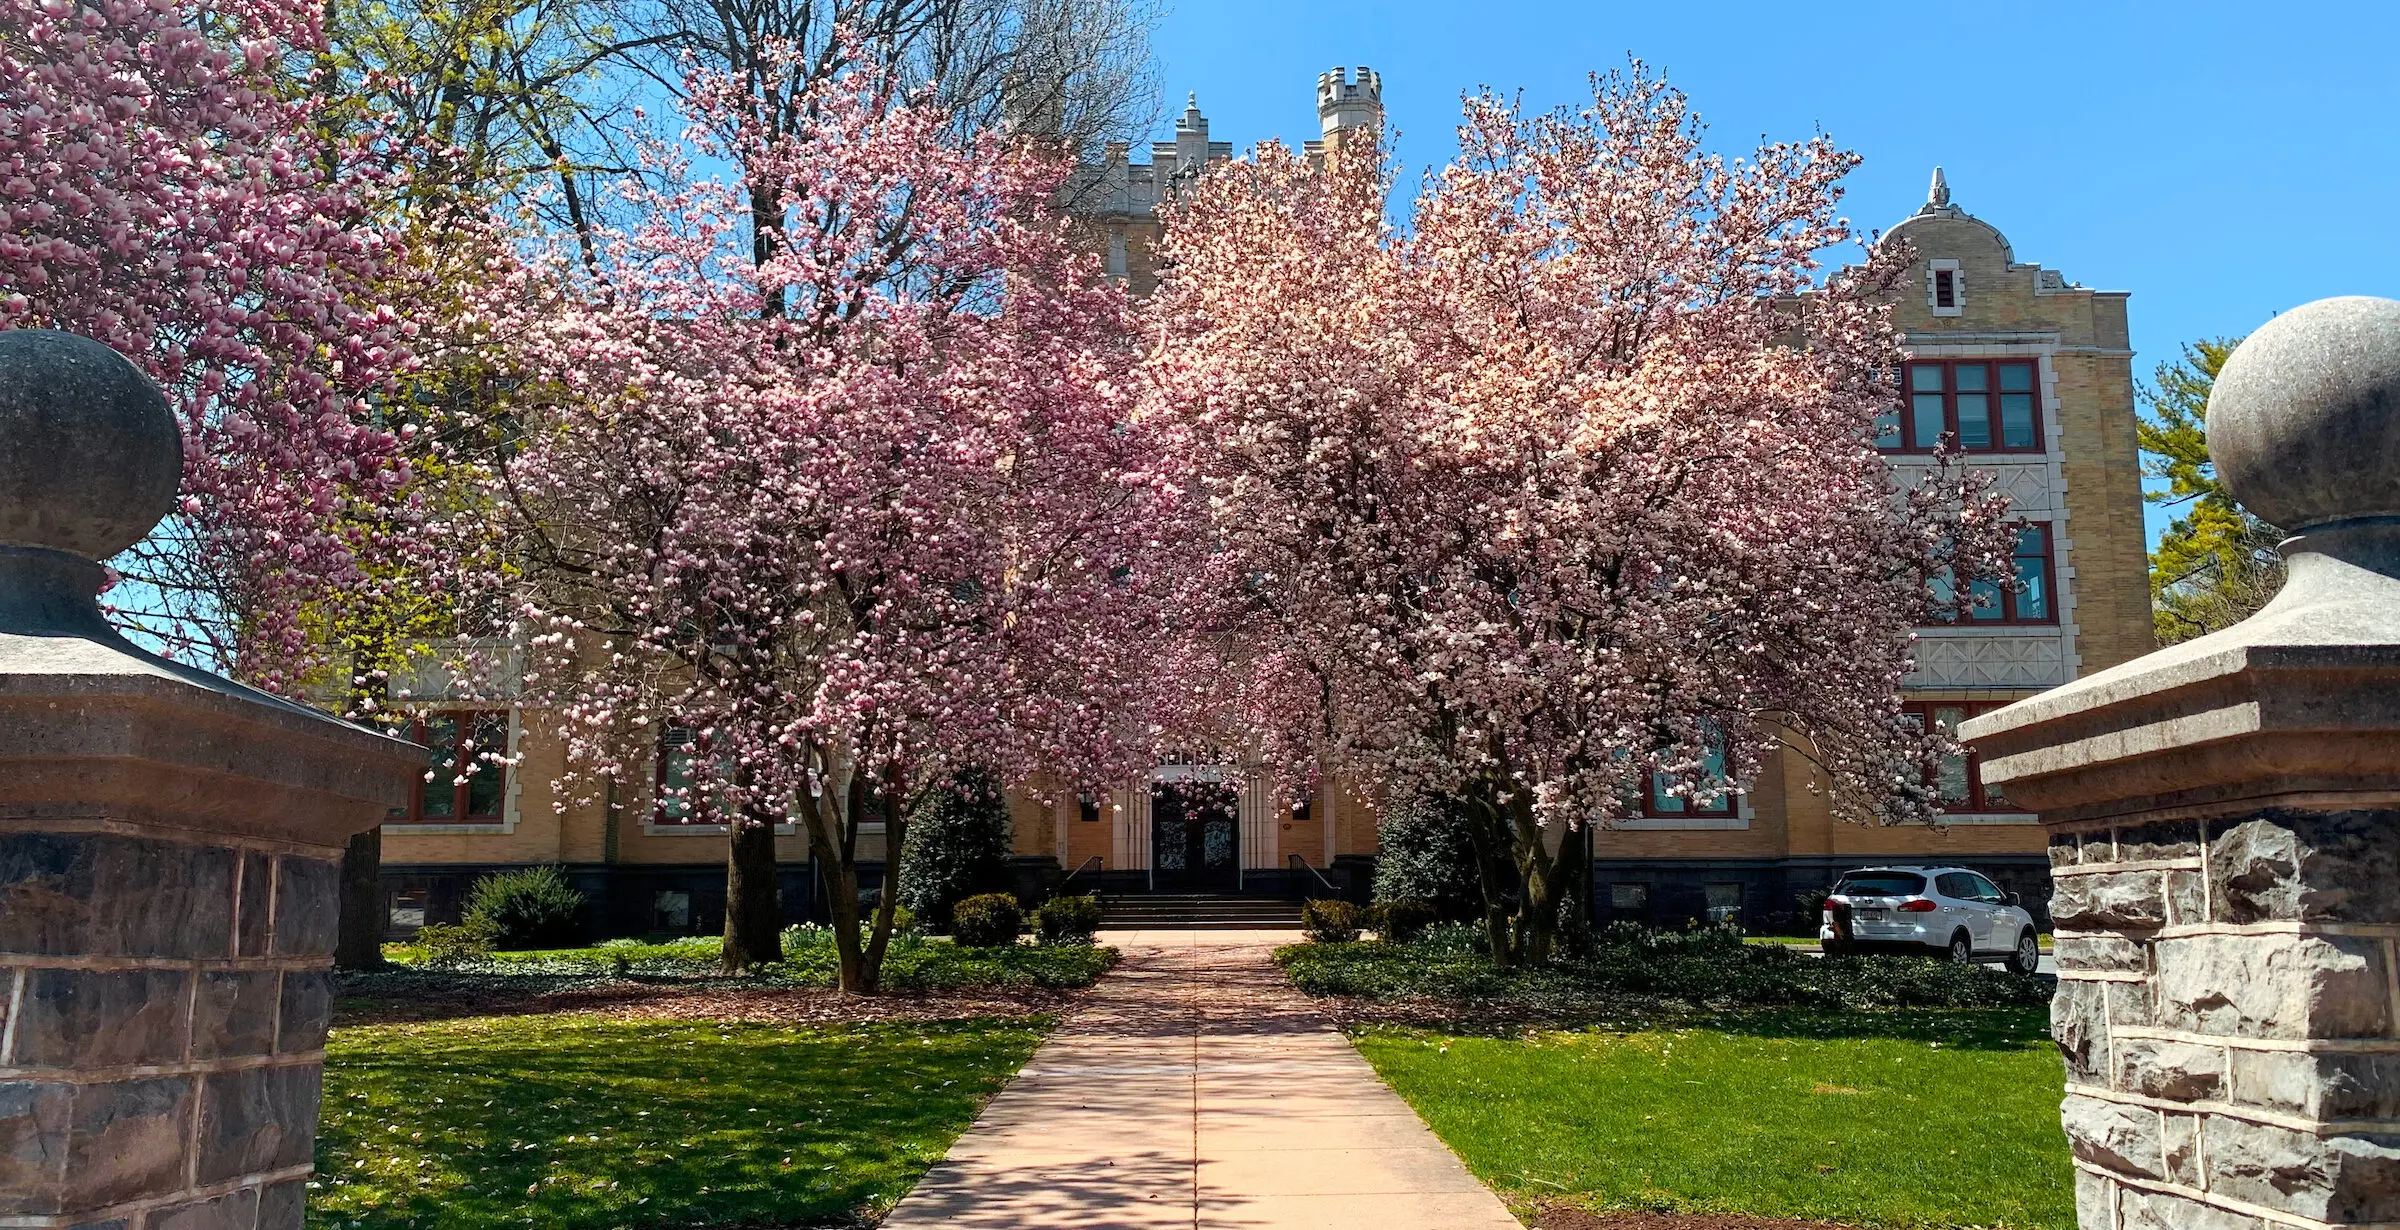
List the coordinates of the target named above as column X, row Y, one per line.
column 2304, row 423
column 90, row 455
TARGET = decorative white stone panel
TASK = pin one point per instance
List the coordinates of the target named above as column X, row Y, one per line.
column 1981, row 658
column 2028, row 484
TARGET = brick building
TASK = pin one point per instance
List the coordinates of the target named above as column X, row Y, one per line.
column 2031, row 371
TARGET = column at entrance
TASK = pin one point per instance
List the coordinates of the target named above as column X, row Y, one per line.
column 1262, row 815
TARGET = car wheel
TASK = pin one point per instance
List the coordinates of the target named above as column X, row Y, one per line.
column 1962, row 949
column 2028, row 957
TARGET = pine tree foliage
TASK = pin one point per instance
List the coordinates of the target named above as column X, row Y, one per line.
column 2216, row 564
column 1425, row 855
column 957, row 848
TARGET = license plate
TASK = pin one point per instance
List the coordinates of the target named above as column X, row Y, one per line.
column 1870, row 915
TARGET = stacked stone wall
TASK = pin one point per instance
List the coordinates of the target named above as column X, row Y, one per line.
column 2229, row 1010
column 165, row 999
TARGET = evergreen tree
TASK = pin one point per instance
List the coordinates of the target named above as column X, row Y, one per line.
column 957, row 847
column 1425, row 854
column 2216, row 564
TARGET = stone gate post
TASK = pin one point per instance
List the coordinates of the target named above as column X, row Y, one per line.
column 2224, row 821
column 168, row 851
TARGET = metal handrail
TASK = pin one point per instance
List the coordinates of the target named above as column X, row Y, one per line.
column 1302, row 864
column 1094, row 863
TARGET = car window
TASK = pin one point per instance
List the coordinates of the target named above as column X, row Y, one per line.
column 1985, row 889
column 1880, row 884
column 1952, row 884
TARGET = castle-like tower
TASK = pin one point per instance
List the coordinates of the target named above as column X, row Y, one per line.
column 1117, row 199
column 1346, row 106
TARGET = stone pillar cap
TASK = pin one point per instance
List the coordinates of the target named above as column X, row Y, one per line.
column 90, row 459
column 90, row 456
column 2299, row 704
column 2304, row 422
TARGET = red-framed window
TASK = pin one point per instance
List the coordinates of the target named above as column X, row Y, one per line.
column 2035, row 598
column 1958, row 780
column 466, row 778
column 1987, row 405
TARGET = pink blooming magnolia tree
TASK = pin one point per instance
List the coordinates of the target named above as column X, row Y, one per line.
column 1567, row 492
column 861, row 506
column 157, row 194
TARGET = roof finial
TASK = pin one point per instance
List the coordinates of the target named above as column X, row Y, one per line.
column 1939, row 195
column 1191, row 101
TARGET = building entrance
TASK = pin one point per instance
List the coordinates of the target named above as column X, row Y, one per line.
column 1195, row 837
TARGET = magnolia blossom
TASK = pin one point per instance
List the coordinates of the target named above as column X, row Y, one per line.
column 867, row 512
column 160, row 193
column 1570, row 485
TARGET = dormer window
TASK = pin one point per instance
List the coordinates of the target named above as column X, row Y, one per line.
column 1945, row 288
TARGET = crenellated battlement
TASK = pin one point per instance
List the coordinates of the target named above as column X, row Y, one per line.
column 1345, row 103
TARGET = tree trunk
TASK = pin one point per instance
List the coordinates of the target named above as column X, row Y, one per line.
column 1572, row 889
column 1537, row 910
column 358, row 943
column 849, row 959
column 887, row 902
column 1495, row 875
column 753, row 907
column 837, row 876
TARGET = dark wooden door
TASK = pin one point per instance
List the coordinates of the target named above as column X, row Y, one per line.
column 1195, row 837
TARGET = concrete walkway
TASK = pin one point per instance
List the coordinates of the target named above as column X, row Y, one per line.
column 1197, row 1090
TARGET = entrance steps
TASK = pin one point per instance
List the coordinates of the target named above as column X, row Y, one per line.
column 1197, row 912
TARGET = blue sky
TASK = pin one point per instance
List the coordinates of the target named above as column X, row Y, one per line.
column 2221, row 161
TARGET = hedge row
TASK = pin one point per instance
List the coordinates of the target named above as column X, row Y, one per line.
column 1709, row 968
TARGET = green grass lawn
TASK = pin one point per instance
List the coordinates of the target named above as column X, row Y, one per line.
column 1901, row 1119
column 572, row 1121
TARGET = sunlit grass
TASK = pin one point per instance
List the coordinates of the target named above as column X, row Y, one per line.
column 567, row 1122
column 1911, row 1119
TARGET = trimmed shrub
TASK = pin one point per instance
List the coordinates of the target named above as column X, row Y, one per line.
column 1332, row 922
column 1425, row 856
column 1709, row 968
column 1403, row 921
column 989, row 920
column 1067, row 920
column 533, row 907
column 958, row 842
column 447, row 946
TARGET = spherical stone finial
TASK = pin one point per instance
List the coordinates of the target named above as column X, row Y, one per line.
column 2304, row 423
column 90, row 456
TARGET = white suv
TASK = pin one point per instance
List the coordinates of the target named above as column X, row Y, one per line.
column 1920, row 909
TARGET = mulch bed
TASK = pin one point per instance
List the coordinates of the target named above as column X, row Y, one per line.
column 1559, row 1217
column 666, row 1001
column 1500, row 1019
